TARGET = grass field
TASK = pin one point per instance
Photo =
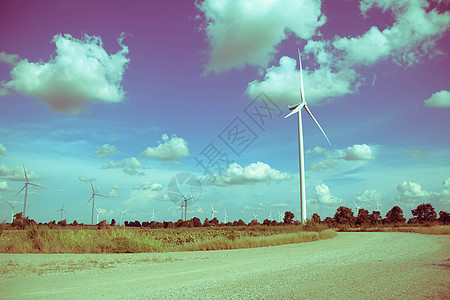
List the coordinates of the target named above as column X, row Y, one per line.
column 41, row 239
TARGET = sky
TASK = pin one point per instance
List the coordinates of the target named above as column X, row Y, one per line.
column 131, row 95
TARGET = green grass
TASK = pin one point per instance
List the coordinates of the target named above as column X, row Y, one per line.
column 41, row 239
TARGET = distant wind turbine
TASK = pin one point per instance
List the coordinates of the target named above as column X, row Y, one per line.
column 280, row 216
column 27, row 183
column 213, row 212
column 270, row 215
column 93, row 200
column 255, row 216
column 357, row 207
column 99, row 212
column 378, row 209
column 297, row 109
column 62, row 210
column 121, row 213
column 185, row 205
column 12, row 211
column 153, row 216
column 225, row 216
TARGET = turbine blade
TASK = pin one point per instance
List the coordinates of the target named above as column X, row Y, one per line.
column 11, row 205
column 89, row 200
column 101, row 195
column 92, row 187
column 302, row 91
column 297, row 109
column 317, row 123
column 25, row 172
column 20, row 190
column 37, row 185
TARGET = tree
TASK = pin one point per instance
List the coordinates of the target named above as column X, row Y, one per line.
column 424, row 213
column 375, row 218
column 288, row 217
column 395, row 216
column 74, row 223
column 197, row 222
column 344, row 216
column 113, row 222
column 315, row 218
column 62, row 223
column 363, row 218
column 444, row 217
column 20, row 221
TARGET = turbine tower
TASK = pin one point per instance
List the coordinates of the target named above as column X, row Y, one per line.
column 27, row 183
column 121, row 213
column 93, row 200
column 213, row 212
column 12, row 211
column 225, row 216
column 185, row 206
column 298, row 109
column 62, row 210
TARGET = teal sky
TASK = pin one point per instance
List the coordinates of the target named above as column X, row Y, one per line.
column 129, row 94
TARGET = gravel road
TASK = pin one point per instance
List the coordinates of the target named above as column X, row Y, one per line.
column 350, row 266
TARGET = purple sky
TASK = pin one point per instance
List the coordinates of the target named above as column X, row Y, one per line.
column 169, row 77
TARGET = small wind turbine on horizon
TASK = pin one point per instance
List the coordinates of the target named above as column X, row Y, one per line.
column 255, row 216
column 153, row 216
column 357, row 207
column 280, row 216
column 93, row 200
column 225, row 216
column 378, row 209
column 27, row 183
column 62, row 210
column 298, row 109
column 270, row 216
column 185, row 205
column 12, row 211
column 213, row 212
column 121, row 213
column 99, row 212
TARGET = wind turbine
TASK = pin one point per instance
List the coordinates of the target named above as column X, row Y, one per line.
column 255, row 216
column 93, row 200
column 213, row 212
column 62, row 210
column 153, row 216
column 27, row 183
column 357, row 207
column 297, row 109
column 280, row 217
column 378, row 209
column 270, row 215
column 99, row 212
column 185, row 205
column 12, row 211
column 225, row 216
column 121, row 213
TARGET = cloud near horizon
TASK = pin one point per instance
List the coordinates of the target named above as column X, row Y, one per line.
column 80, row 71
column 105, row 151
column 2, row 150
column 168, row 149
column 247, row 32
column 439, row 99
column 323, row 195
column 16, row 174
column 129, row 166
column 251, row 174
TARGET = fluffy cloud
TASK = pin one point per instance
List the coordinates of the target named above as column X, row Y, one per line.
column 148, row 186
column 439, row 99
column 4, row 186
column 413, row 34
column 253, row 173
column 411, row 192
column 2, row 150
column 323, row 195
column 16, row 174
column 10, row 59
column 169, row 149
column 247, row 32
column 80, row 71
column 85, row 179
column 106, row 150
column 129, row 166
column 321, row 165
column 368, row 196
column 114, row 192
column 282, row 83
column 359, row 152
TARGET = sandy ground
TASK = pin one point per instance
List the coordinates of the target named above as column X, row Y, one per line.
column 350, row 266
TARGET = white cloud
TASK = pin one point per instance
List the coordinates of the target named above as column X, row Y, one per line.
column 106, row 150
column 359, row 152
column 321, row 165
column 316, row 150
column 85, row 179
column 4, row 186
column 148, row 186
column 10, row 59
column 439, row 99
column 412, row 36
column 129, row 166
column 282, row 83
column 323, row 195
column 247, row 32
column 16, row 174
column 411, row 192
column 2, row 150
column 169, row 149
column 80, row 71
column 368, row 196
column 253, row 173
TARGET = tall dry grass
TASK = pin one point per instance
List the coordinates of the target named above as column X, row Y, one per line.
column 133, row 240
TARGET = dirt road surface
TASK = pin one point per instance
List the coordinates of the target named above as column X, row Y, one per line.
column 350, row 266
